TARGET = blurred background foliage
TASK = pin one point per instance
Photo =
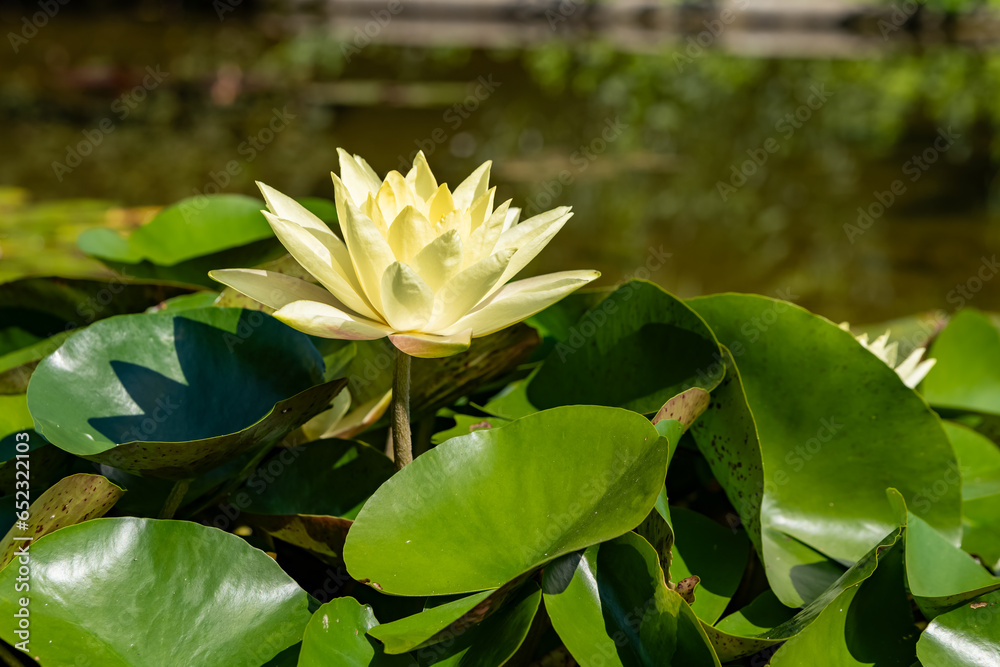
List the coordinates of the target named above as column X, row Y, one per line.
column 632, row 121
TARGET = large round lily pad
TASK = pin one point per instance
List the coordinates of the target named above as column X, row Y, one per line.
column 173, row 395
column 480, row 510
column 147, row 593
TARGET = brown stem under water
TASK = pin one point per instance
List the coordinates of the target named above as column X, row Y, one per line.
column 402, row 445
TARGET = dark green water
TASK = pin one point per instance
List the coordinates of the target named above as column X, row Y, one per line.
column 647, row 152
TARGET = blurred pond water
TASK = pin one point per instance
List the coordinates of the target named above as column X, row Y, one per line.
column 712, row 172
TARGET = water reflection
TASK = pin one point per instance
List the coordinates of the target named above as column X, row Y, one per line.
column 749, row 171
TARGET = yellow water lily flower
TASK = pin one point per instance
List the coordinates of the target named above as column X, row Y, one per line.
column 427, row 266
column 912, row 371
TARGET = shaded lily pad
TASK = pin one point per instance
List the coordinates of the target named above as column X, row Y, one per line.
column 175, row 395
column 239, row 608
column 49, row 306
column 610, row 606
column 70, row 501
column 831, row 442
column 479, row 510
column 979, row 469
column 714, row 553
column 748, row 631
column 492, row 642
column 636, row 349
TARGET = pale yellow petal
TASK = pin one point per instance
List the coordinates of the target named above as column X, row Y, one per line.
column 317, row 258
column 431, row 346
column 374, row 213
column 319, row 319
column 440, row 204
column 513, row 215
column 325, row 424
column 531, row 240
column 484, row 238
column 361, row 417
column 359, row 180
column 482, row 209
column 473, row 187
column 407, row 301
column 460, row 221
column 466, row 289
column 520, row 300
column 385, row 202
column 369, row 250
column 421, row 179
column 402, row 194
column 440, row 259
column 274, row 290
column 287, row 208
column 409, row 233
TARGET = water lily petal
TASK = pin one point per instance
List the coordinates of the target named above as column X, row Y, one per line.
column 912, row 371
column 537, row 233
column 407, row 301
column 466, row 289
column 431, row 346
column 370, row 252
column 319, row 319
column 274, row 290
column 402, row 195
column 287, row 208
column 513, row 215
column 520, row 300
column 440, row 259
column 473, row 187
column 358, row 177
column 482, row 208
column 484, row 238
column 440, row 204
column 409, row 233
column 421, row 179
column 317, row 257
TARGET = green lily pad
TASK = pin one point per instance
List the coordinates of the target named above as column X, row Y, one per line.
column 967, row 373
column 964, row 637
column 478, row 511
column 940, row 575
column 636, row 349
column 491, row 643
column 186, row 240
column 175, row 395
column 70, row 501
column 336, row 635
column 422, row 629
column 610, row 606
column 836, row 427
column 16, row 367
column 767, row 621
column 867, row 624
column 717, row 555
column 184, row 594
column 979, row 466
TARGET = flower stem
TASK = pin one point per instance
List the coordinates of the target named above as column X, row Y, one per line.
column 173, row 501
column 401, row 443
